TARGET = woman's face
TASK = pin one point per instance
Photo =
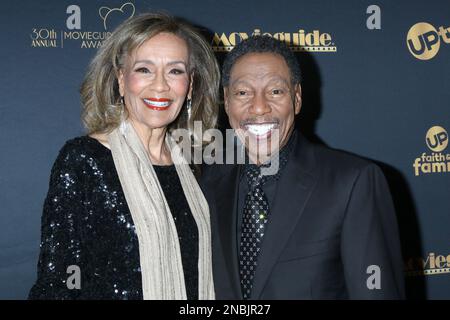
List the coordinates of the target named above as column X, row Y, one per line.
column 155, row 81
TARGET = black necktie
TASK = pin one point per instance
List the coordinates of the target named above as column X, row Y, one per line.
column 254, row 220
column 256, row 214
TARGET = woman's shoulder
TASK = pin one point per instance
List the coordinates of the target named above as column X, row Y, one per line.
column 81, row 148
column 101, row 138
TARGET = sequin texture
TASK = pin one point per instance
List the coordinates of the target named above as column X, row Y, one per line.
column 86, row 222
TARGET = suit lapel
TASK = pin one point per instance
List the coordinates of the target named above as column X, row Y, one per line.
column 227, row 195
column 294, row 189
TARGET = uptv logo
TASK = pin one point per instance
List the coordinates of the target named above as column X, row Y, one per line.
column 437, row 162
column 424, row 41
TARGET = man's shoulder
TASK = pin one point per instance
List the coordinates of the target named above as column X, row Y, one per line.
column 328, row 160
column 339, row 158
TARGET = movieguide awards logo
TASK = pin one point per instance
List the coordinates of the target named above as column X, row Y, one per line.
column 431, row 265
column 49, row 37
column 437, row 161
column 424, row 41
column 300, row 40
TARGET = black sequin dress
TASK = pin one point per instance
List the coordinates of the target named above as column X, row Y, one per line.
column 86, row 223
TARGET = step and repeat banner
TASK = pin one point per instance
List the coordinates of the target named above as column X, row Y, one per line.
column 376, row 83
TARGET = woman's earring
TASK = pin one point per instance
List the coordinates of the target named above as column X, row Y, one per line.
column 122, row 106
column 189, row 108
column 122, row 126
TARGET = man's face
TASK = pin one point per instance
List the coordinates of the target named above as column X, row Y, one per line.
column 261, row 103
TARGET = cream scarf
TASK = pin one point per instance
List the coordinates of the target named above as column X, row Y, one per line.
column 159, row 248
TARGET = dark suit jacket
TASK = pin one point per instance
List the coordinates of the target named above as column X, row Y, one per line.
column 332, row 218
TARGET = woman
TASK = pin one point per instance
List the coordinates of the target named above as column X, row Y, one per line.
column 124, row 217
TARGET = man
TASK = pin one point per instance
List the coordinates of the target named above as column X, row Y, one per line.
column 323, row 226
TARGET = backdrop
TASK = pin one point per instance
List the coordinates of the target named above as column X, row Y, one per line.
column 376, row 83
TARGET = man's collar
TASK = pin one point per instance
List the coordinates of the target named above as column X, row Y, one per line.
column 281, row 156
